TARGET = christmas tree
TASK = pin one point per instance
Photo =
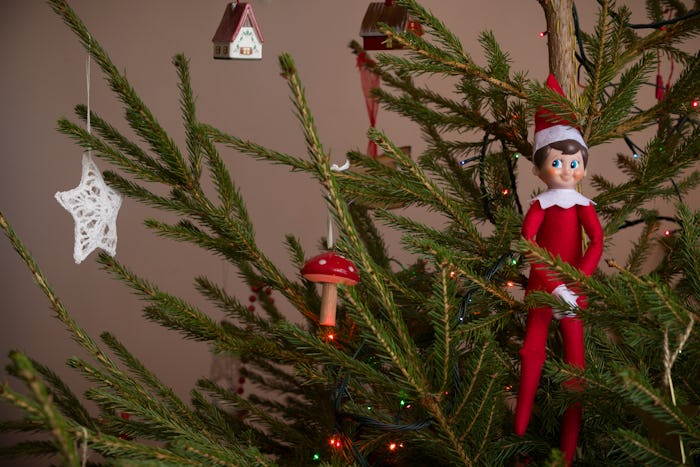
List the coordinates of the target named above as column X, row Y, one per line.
column 422, row 365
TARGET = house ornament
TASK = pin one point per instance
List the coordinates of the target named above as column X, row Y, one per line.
column 394, row 16
column 238, row 35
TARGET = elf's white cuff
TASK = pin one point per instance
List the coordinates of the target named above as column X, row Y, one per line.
column 563, row 293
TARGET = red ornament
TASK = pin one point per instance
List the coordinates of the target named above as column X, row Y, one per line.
column 330, row 269
column 370, row 81
column 660, row 88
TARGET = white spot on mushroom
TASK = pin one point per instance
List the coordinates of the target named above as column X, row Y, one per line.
column 322, row 262
column 351, row 269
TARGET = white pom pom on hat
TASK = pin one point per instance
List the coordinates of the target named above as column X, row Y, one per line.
column 550, row 128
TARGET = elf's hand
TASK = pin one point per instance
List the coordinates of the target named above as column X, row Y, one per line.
column 563, row 293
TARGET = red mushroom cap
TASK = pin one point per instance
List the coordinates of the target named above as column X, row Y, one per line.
column 331, row 268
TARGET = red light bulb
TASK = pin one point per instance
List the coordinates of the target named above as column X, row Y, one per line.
column 335, row 442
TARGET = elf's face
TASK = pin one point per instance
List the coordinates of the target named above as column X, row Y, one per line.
column 561, row 170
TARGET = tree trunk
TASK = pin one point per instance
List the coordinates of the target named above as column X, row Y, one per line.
column 561, row 43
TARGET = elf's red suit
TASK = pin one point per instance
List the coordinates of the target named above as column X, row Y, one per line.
column 554, row 222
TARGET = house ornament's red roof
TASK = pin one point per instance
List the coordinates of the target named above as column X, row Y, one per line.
column 394, row 16
column 234, row 18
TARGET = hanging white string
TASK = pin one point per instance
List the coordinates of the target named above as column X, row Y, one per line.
column 329, row 240
column 87, row 85
column 334, row 168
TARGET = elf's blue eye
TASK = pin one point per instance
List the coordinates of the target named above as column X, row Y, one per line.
column 574, row 164
column 556, row 163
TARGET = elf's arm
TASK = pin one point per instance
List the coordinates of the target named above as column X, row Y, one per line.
column 539, row 272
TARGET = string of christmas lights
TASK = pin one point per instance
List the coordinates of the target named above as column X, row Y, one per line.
column 361, row 421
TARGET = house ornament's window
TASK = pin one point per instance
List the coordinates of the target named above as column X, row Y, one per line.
column 246, row 50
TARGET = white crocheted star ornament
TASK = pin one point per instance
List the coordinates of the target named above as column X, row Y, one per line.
column 94, row 207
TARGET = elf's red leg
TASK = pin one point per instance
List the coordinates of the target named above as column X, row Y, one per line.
column 572, row 334
column 532, row 356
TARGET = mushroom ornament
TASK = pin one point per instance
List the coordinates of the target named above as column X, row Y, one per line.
column 330, row 269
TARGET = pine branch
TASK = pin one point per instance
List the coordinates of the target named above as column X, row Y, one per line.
column 77, row 333
column 43, row 408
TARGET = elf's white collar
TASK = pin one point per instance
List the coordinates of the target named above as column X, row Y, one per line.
column 562, row 197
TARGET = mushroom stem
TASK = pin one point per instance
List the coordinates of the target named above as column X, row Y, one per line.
column 329, row 298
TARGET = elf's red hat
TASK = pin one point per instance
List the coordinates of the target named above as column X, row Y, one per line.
column 550, row 128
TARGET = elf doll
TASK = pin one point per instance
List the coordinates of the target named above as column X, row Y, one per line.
column 554, row 221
